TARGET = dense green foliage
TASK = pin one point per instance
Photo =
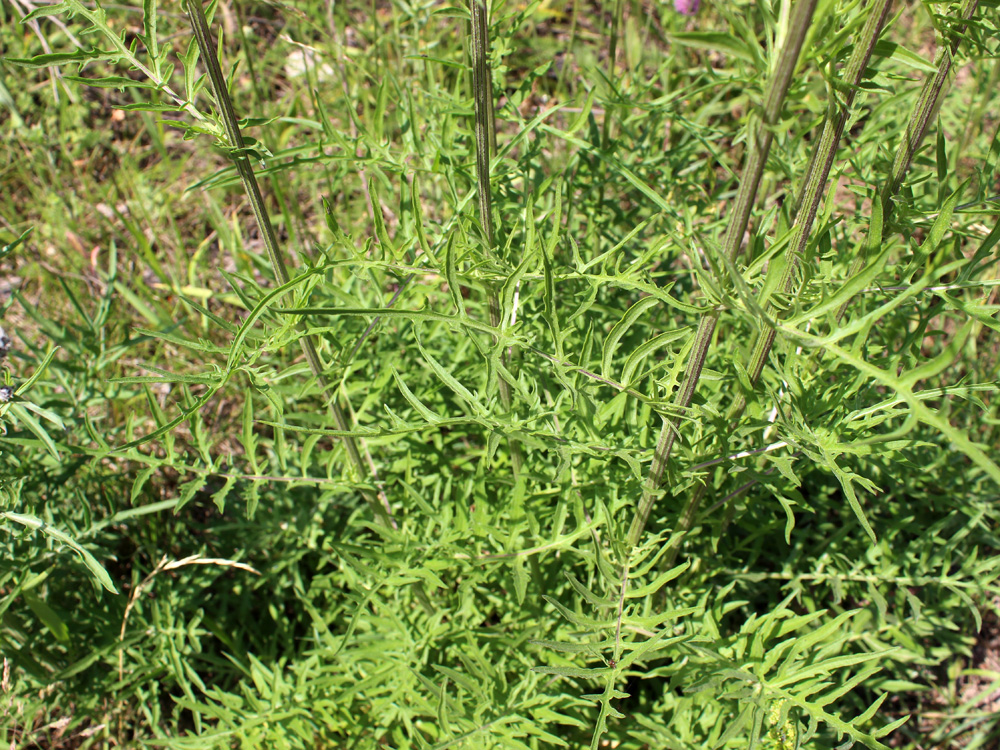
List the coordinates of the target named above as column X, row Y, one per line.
column 195, row 547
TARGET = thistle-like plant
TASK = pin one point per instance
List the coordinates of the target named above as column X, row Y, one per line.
column 226, row 130
column 506, row 610
column 238, row 151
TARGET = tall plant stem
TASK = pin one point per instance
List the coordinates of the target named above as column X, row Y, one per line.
column 609, row 109
column 807, row 204
column 916, row 130
column 206, row 46
column 923, row 112
column 761, row 133
column 486, row 148
column 816, row 181
column 616, row 16
column 927, row 104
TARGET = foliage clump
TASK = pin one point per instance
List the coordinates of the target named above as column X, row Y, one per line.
column 516, row 376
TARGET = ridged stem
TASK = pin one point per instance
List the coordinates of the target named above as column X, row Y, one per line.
column 816, row 182
column 609, row 110
column 807, row 207
column 761, row 134
column 486, row 148
column 206, row 46
column 927, row 104
column 616, row 14
column 923, row 113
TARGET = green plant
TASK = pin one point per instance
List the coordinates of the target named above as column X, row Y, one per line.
column 531, row 481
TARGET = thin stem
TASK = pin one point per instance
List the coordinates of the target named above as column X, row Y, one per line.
column 486, row 148
column 616, row 14
column 569, row 57
column 817, row 175
column 127, row 53
column 609, row 113
column 928, row 103
column 923, row 113
column 761, row 135
column 206, row 46
column 816, row 183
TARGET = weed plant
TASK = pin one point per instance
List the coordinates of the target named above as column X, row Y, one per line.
column 518, row 375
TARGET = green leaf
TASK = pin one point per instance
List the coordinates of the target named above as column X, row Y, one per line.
column 580, row 620
column 10, row 247
column 37, row 524
column 21, row 413
column 644, row 350
column 620, row 329
column 418, row 406
column 892, row 51
column 249, row 438
column 936, row 365
column 381, row 233
column 114, row 82
column 188, row 490
column 47, row 10
column 451, row 381
column 520, row 576
column 140, row 481
column 657, row 583
column 220, row 495
column 975, row 453
column 47, row 615
column 714, row 42
column 63, row 58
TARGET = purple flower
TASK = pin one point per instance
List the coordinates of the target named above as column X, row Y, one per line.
column 686, row 7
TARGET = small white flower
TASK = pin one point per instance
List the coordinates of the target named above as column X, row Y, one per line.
column 6, row 393
column 5, row 343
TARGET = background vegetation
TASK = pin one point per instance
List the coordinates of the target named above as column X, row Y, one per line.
column 194, row 555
